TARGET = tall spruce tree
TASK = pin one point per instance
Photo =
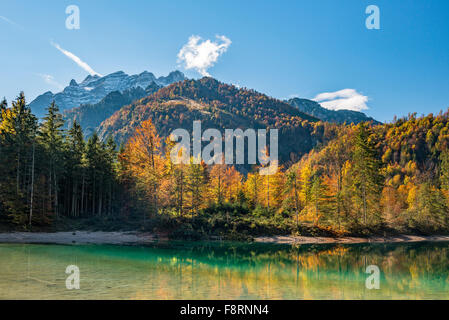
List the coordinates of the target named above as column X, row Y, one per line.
column 93, row 150
column 366, row 175
column 291, row 190
column 75, row 170
column 51, row 138
column 110, row 172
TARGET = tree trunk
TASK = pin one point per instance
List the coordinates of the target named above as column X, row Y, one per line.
column 110, row 198
column 32, row 186
column 56, row 192
column 93, row 197
column 49, row 188
column 364, row 204
column 182, row 191
column 82, row 195
column 268, row 191
column 296, row 203
column 100, row 202
column 18, row 171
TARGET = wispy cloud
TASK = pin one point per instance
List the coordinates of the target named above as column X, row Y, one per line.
column 51, row 80
column 348, row 99
column 11, row 22
column 201, row 55
column 76, row 59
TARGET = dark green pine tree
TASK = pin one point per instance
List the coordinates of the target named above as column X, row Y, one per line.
column 125, row 182
column 368, row 180
column 51, row 138
column 74, row 186
column 110, row 172
column 93, row 170
column 17, row 137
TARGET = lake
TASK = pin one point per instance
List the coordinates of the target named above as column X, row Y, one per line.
column 214, row 270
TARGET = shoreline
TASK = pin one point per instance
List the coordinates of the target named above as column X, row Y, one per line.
column 141, row 238
column 403, row 238
column 78, row 237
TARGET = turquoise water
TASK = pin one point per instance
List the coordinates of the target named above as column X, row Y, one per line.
column 180, row 270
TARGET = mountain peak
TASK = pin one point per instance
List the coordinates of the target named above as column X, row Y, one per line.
column 174, row 76
column 91, row 77
column 313, row 108
column 176, row 73
column 116, row 73
column 94, row 88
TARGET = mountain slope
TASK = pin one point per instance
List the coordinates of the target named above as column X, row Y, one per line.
column 94, row 88
column 340, row 116
column 219, row 106
column 90, row 116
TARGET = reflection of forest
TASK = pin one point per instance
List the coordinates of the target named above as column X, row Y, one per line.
column 227, row 271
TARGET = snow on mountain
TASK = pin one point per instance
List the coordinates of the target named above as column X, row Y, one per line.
column 94, row 88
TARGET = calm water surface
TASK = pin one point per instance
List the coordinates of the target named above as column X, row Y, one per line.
column 180, row 270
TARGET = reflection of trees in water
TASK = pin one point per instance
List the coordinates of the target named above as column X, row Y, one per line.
column 237, row 270
column 321, row 271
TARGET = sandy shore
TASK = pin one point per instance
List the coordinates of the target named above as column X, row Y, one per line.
column 100, row 237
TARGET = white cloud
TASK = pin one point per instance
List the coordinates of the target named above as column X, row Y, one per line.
column 201, row 55
column 51, row 80
column 75, row 59
column 348, row 99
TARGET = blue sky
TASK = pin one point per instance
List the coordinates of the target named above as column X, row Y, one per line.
column 281, row 48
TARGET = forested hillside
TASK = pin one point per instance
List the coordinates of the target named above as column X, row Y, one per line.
column 394, row 176
column 219, row 106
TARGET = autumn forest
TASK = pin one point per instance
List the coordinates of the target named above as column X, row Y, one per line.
column 356, row 180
